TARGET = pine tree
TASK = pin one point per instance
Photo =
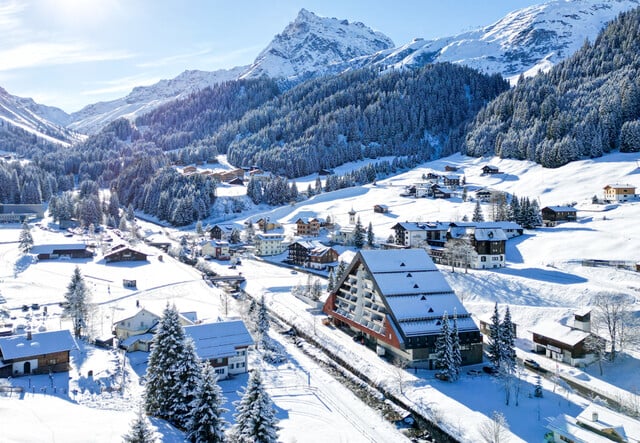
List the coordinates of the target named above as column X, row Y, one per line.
column 507, row 344
column 370, row 236
column 456, row 352
column 263, row 318
column 255, row 415
column 494, row 347
column 477, row 213
column 358, row 234
column 26, row 239
column 77, row 302
column 444, row 349
column 331, row 281
column 140, row 431
column 206, row 423
column 172, row 371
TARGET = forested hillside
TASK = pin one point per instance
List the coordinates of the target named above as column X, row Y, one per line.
column 585, row 106
column 326, row 122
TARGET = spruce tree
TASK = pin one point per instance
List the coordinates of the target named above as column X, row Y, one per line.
column 494, row 347
column 477, row 213
column 256, row 420
column 507, row 343
column 25, row 239
column 456, row 352
column 77, row 302
column 140, row 431
column 206, row 423
column 358, row 234
column 444, row 349
column 171, row 377
column 370, row 236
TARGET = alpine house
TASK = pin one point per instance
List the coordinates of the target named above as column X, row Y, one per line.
column 395, row 300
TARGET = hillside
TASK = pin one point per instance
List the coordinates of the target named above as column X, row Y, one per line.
column 585, row 106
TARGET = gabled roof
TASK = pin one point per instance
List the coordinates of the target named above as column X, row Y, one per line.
column 561, row 208
column 414, row 292
column 607, row 420
column 49, row 342
column 270, row 236
column 219, row 339
column 485, row 234
column 48, row 249
column 560, row 333
column 620, row 186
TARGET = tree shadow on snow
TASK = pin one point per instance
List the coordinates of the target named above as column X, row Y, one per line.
column 544, row 275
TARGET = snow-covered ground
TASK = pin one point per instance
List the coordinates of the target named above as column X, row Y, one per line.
column 543, row 281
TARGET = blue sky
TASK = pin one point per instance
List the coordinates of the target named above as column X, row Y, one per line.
column 70, row 53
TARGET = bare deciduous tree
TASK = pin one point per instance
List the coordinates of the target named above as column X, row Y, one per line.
column 612, row 319
column 495, row 430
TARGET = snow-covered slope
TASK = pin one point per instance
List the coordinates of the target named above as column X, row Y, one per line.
column 524, row 41
column 311, row 44
column 141, row 99
column 36, row 119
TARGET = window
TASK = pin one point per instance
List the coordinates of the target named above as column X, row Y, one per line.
column 219, row 371
column 483, row 258
column 53, row 361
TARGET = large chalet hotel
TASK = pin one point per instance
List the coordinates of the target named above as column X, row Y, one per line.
column 395, row 300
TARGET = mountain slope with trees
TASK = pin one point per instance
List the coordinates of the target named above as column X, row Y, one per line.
column 584, row 107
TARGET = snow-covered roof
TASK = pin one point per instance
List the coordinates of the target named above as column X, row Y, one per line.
column 562, row 208
column 560, row 333
column 269, row 236
column 412, row 282
column 41, row 343
column 48, row 249
column 483, row 234
column 628, row 428
column 136, row 338
column 498, row 224
column 398, row 260
column 219, row 339
column 566, row 425
column 620, row 186
column 415, row 292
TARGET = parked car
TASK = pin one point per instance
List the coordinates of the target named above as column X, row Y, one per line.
column 474, row 372
column 532, row 364
column 442, row 376
column 489, row 370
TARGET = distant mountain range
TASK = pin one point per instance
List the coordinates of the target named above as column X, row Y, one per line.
column 524, row 41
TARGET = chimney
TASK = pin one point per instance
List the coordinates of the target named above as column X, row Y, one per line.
column 29, row 334
column 594, row 416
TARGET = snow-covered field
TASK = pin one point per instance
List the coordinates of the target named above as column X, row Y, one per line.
column 542, row 282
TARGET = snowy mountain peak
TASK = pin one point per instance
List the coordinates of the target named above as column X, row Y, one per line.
column 311, row 43
column 44, row 122
column 524, row 41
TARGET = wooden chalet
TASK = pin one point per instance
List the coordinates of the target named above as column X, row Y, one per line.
column 394, row 300
column 381, row 209
column 124, row 253
column 228, row 176
column 223, row 231
column 218, row 249
column 595, row 424
column 450, row 168
column 618, row 193
column 490, row 170
column 69, row 250
column 35, row 353
column 565, row 343
column 266, row 225
column 311, row 254
column 432, row 176
column 236, row 181
column 451, row 180
column 307, row 227
column 552, row 215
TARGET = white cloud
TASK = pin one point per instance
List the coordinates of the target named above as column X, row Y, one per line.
column 124, row 84
column 38, row 54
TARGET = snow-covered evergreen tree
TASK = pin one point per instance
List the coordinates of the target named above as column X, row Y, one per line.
column 456, row 353
column 263, row 318
column 256, row 420
column 358, row 234
column 172, row 371
column 444, row 348
column 206, row 422
column 77, row 302
column 370, row 236
column 478, row 216
column 25, row 239
column 494, row 349
column 331, row 281
column 141, row 431
column 507, row 344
